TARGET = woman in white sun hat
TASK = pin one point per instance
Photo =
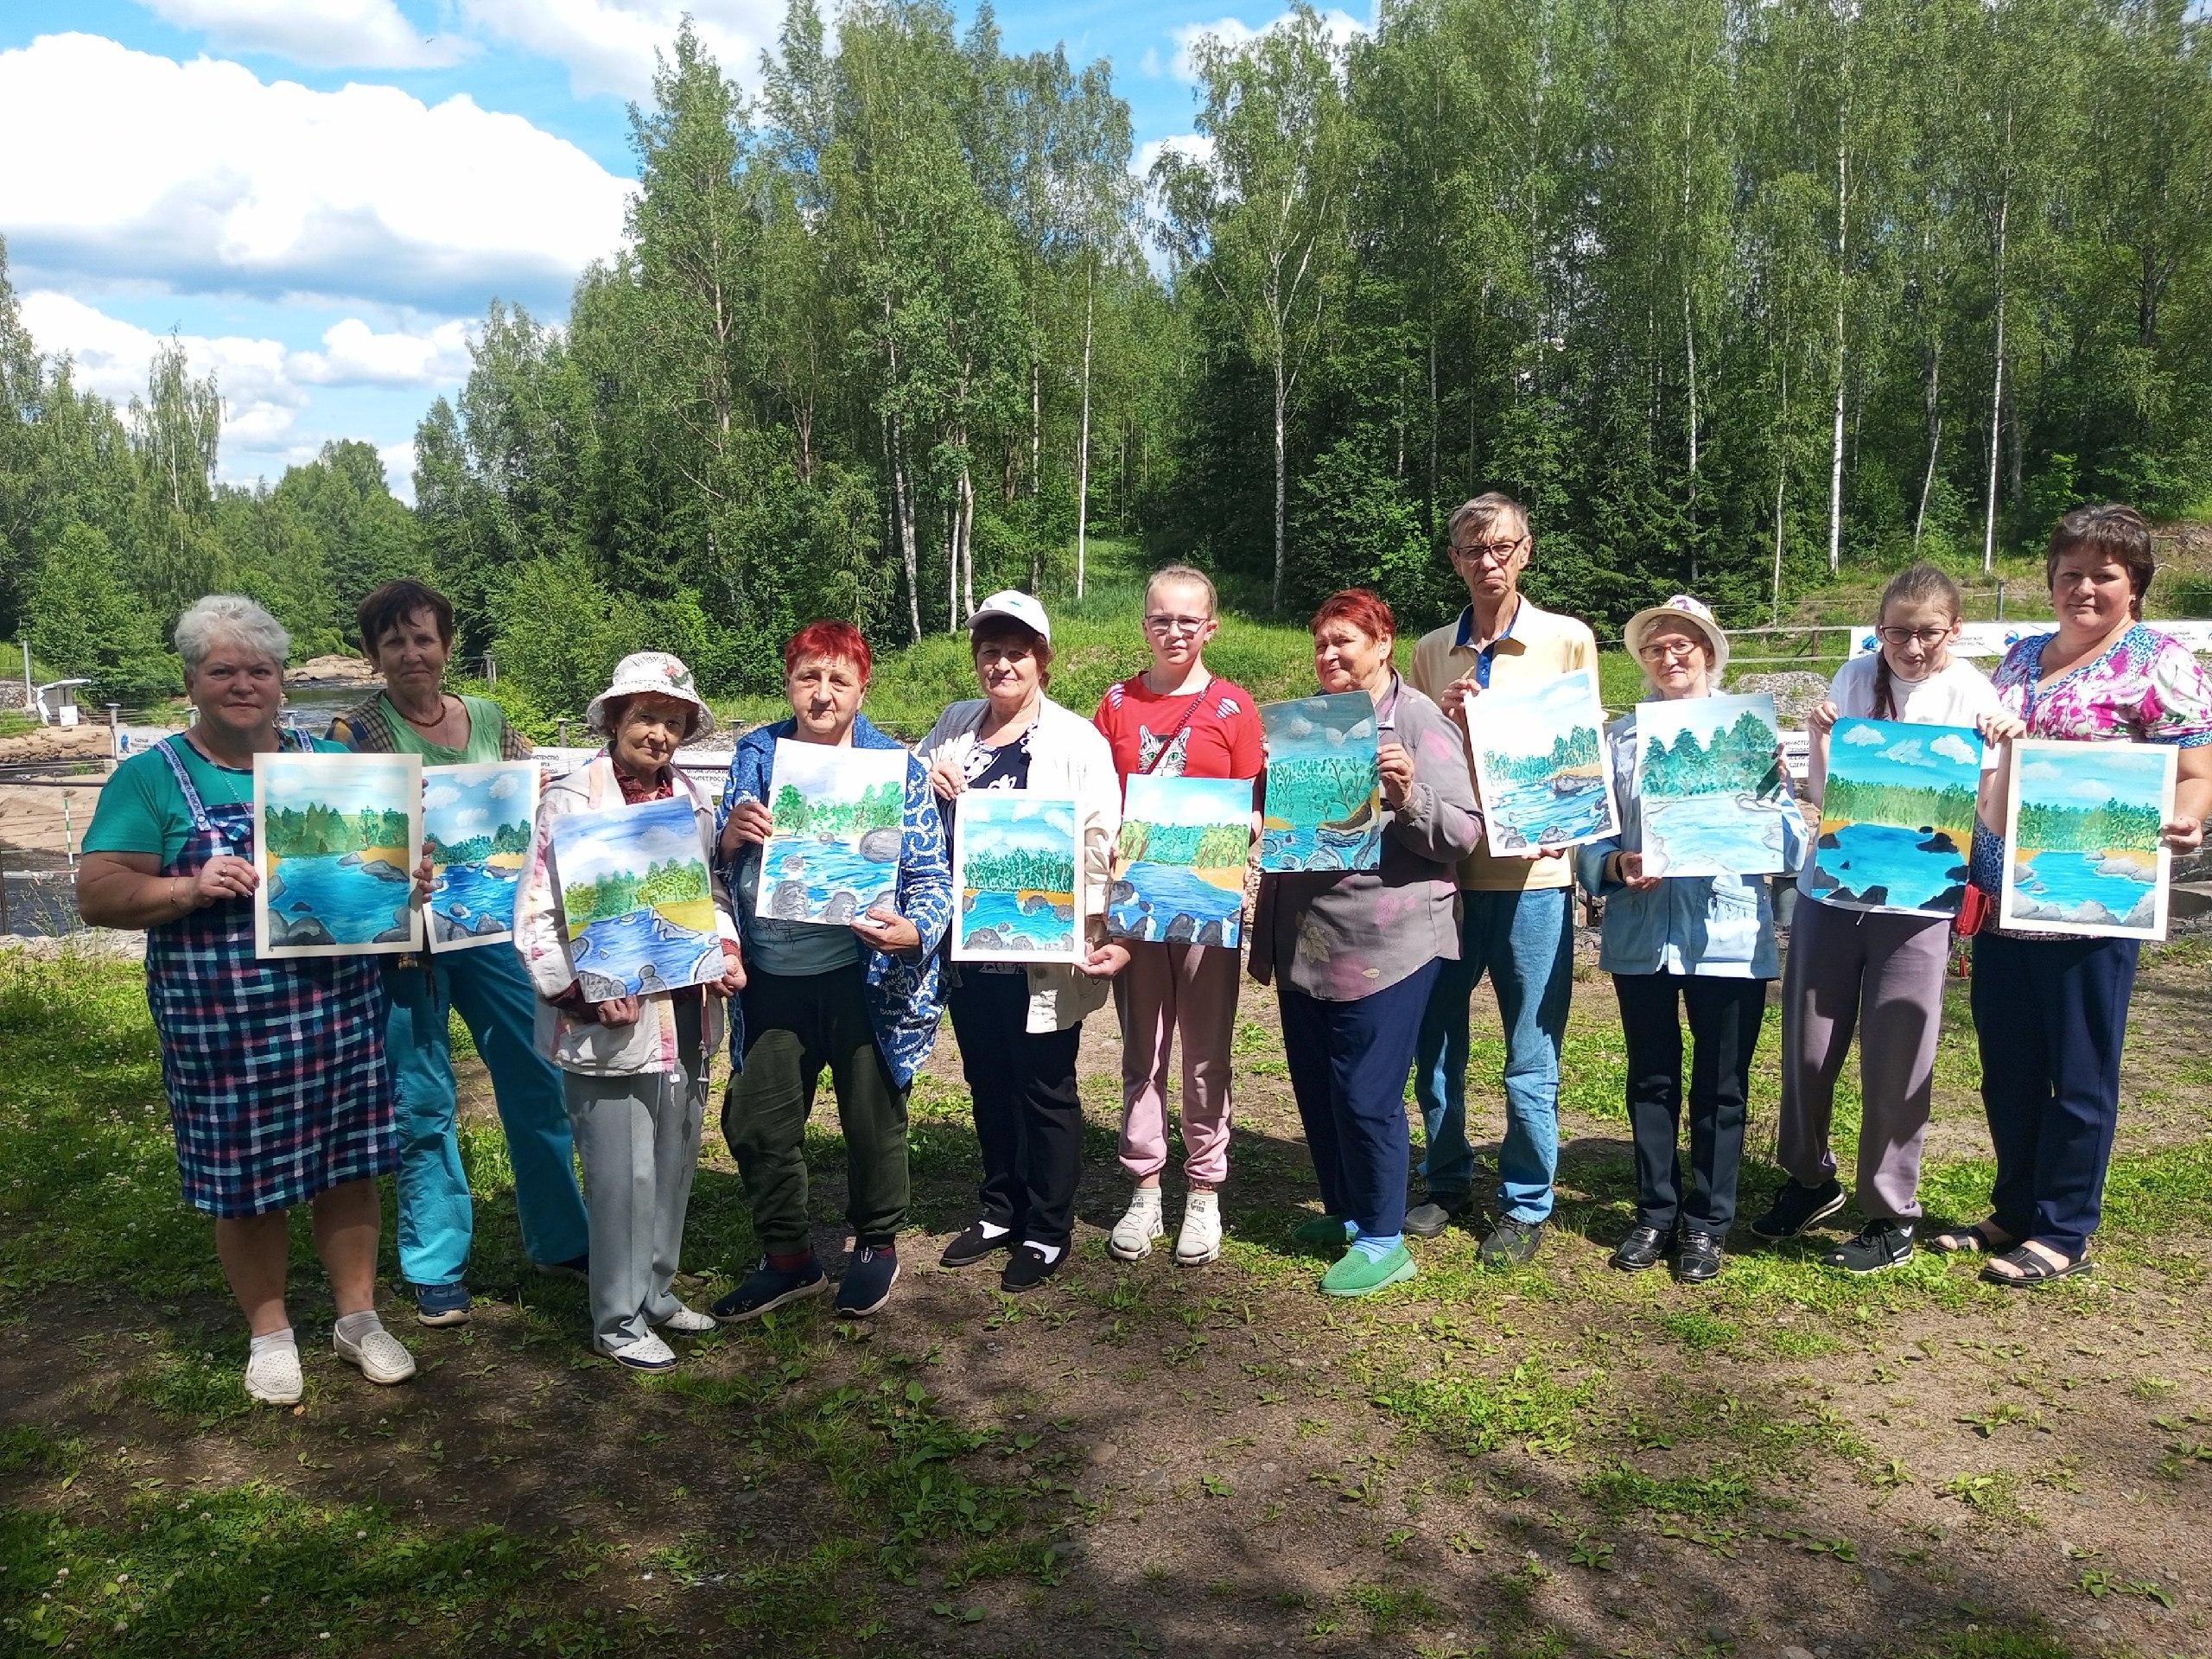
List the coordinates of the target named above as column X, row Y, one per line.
column 1020, row 1024
column 634, row 1068
column 1700, row 946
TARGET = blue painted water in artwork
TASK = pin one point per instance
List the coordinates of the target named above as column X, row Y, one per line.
column 1016, row 924
column 1551, row 812
column 470, row 900
column 1883, row 866
column 1166, row 901
column 1320, row 848
column 1712, row 834
column 2082, row 887
column 350, row 904
column 829, row 881
column 642, row 951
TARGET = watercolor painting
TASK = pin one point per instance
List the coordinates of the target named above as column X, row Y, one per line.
column 2082, row 851
column 1014, row 859
column 477, row 820
column 1897, row 822
column 1540, row 765
column 1712, row 787
column 337, row 838
column 636, row 899
column 1179, row 869
column 838, row 813
column 1324, row 806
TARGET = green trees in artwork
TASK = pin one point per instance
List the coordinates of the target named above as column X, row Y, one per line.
column 2117, row 826
column 1319, row 789
column 878, row 806
column 1201, row 846
column 1571, row 751
column 1738, row 761
column 674, row 881
column 1019, row 869
column 317, row 830
column 1950, row 808
column 511, row 838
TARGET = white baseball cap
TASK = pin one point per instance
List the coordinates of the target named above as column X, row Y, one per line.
column 1020, row 607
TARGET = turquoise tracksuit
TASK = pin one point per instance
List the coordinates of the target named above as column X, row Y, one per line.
column 497, row 1002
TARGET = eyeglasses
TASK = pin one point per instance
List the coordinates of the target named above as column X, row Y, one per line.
column 1493, row 552
column 1176, row 623
column 1660, row 649
column 1002, row 654
column 1915, row 636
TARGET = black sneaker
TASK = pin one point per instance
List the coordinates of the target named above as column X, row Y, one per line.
column 974, row 1245
column 1511, row 1243
column 767, row 1288
column 1699, row 1258
column 1645, row 1247
column 1029, row 1269
column 1879, row 1244
column 1435, row 1213
column 868, row 1278
column 1797, row 1207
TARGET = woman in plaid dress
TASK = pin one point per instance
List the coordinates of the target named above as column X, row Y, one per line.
column 276, row 1070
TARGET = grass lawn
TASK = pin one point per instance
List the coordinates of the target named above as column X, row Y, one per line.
column 1555, row 1461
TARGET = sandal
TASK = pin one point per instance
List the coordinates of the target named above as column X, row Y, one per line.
column 1980, row 1239
column 2032, row 1270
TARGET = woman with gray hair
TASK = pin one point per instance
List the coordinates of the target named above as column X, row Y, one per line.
column 276, row 1070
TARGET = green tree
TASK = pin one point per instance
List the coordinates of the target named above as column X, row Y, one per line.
column 84, row 620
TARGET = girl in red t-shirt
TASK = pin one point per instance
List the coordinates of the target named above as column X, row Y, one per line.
column 1177, row 720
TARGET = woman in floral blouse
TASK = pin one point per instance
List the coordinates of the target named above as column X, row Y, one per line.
column 2051, row 1011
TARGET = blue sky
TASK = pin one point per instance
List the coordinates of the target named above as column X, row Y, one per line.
column 1929, row 758
column 588, row 845
column 355, row 786
column 1000, row 820
column 1189, row 801
column 1530, row 722
column 322, row 196
column 2090, row 774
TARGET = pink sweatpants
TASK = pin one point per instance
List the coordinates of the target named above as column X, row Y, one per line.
column 1166, row 989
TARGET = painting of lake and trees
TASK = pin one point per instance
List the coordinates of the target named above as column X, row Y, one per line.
column 1710, row 775
column 337, row 838
column 1179, row 868
column 1540, row 764
column 1324, row 807
column 1896, row 820
column 2082, row 849
column 838, row 814
column 476, row 825
column 635, row 898
column 1014, row 866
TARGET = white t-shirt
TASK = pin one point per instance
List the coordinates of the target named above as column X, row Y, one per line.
column 1958, row 694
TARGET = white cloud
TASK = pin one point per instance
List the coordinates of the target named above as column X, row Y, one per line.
column 1952, row 746
column 1909, row 753
column 1150, row 64
column 435, row 796
column 263, row 385
column 1340, row 26
column 1862, row 736
column 203, row 178
column 323, row 34
column 608, row 45
column 2041, row 772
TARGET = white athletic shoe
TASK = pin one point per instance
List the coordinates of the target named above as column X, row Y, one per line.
column 1140, row 1224
column 647, row 1353
column 272, row 1376
column 1199, row 1242
column 690, row 1322
column 381, row 1357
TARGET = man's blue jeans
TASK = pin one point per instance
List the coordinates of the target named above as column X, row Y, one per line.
column 1526, row 941
column 497, row 1003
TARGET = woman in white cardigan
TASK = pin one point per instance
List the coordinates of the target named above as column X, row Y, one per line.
column 1020, row 1024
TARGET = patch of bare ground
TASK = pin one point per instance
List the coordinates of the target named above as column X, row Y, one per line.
column 1557, row 1460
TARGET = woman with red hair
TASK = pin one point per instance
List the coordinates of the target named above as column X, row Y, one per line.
column 860, row 997
column 1356, row 952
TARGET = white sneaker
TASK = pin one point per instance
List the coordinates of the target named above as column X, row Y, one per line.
column 272, row 1376
column 647, row 1353
column 381, row 1357
column 690, row 1322
column 1140, row 1224
column 1199, row 1242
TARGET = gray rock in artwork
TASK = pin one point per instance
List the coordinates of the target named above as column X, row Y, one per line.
column 881, row 846
column 599, row 987
column 841, row 908
column 298, row 931
column 787, row 900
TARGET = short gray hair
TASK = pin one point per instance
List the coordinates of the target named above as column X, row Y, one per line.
column 1482, row 512
column 235, row 618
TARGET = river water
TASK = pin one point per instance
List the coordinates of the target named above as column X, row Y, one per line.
column 1166, row 901
column 467, row 894
column 642, row 951
column 354, row 907
column 1900, row 867
column 1011, row 928
column 1713, row 835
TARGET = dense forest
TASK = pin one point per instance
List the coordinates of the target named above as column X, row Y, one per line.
column 318, row 831
column 1020, row 870
column 878, row 806
column 2117, row 826
column 1575, row 750
column 1737, row 760
column 1852, row 800
column 1734, row 295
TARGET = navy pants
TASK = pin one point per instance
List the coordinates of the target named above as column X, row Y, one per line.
column 1349, row 1061
column 2049, row 1016
column 1724, row 1016
column 1028, row 1116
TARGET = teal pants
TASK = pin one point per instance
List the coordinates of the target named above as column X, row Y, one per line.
column 495, row 999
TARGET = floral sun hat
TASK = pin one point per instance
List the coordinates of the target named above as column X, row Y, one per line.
column 1681, row 608
column 658, row 673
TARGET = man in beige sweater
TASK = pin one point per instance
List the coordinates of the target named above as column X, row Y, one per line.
column 1515, row 913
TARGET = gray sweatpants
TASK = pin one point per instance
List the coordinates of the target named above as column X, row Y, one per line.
column 1880, row 974
column 638, row 1136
